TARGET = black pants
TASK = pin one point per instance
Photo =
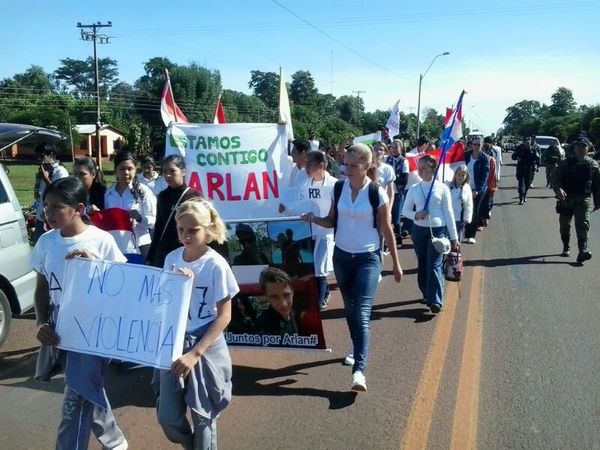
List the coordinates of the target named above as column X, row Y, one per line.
column 471, row 228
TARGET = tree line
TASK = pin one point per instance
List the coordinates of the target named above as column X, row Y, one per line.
column 67, row 97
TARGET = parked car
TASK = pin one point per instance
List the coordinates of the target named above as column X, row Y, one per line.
column 509, row 144
column 544, row 142
column 17, row 279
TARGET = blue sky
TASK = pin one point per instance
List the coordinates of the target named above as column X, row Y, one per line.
column 501, row 52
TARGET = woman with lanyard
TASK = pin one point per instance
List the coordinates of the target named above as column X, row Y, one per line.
column 433, row 217
column 356, row 256
column 134, row 198
column 165, row 238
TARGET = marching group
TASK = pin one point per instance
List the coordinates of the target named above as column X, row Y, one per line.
column 361, row 200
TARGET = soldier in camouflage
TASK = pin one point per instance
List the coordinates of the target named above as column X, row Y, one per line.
column 577, row 187
column 552, row 157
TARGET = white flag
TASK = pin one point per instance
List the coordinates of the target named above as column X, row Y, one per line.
column 285, row 115
column 393, row 123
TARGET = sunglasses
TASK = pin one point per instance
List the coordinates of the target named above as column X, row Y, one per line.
column 477, row 145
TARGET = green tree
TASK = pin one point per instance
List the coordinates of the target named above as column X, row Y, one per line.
column 265, row 85
column 516, row 115
column 33, row 79
column 563, row 102
column 77, row 76
column 373, row 121
column 302, row 89
column 348, row 108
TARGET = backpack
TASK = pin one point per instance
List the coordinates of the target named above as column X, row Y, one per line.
column 373, row 200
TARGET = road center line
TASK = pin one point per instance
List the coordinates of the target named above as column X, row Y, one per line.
column 464, row 427
column 416, row 434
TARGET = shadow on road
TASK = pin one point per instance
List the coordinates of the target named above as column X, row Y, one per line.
column 247, row 381
column 382, row 311
column 524, row 260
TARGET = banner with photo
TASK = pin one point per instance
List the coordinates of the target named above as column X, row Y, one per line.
column 280, row 317
column 239, row 166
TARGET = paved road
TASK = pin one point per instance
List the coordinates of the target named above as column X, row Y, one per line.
column 511, row 362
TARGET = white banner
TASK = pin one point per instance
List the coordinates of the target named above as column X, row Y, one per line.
column 239, row 165
column 125, row 311
column 393, row 123
column 368, row 138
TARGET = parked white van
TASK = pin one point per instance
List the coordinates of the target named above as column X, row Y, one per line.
column 17, row 279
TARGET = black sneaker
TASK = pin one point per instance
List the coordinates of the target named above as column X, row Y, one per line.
column 435, row 308
column 584, row 256
column 566, row 252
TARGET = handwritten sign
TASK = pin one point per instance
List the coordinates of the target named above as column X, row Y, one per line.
column 125, row 311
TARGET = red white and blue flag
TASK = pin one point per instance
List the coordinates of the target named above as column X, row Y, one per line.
column 118, row 223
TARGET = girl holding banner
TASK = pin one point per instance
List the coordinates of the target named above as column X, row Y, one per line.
column 201, row 378
column 357, row 256
column 85, row 402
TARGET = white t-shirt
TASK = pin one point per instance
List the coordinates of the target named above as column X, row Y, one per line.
column 156, row 184
column 298, row 177
column 385, row 174
column 355, row 232
column 48, row 255
column 58, row 173
column 146, row 207
column 213, row 282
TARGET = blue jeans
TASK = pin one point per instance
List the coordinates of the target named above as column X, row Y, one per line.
column 322, row 290
column 429, row 264
column 396, row 210
column 357, row 275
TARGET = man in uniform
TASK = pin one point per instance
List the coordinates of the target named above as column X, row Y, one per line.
column 577, row 187
column 552, row 157
column 527, row 162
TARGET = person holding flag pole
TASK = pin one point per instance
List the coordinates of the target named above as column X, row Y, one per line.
column 429, row 204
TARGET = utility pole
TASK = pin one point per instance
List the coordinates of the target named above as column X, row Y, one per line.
column 94, row 36
column 358, row 105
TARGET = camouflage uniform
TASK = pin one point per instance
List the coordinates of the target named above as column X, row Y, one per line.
column 580, row 180
column 552, row 157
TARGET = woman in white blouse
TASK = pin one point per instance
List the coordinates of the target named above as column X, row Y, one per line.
column 135, row 198
column 437, row 218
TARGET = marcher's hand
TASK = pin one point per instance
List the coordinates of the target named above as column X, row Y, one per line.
column 454, row 245
column 184, row 364
column 82, row 254
column 92, row 209
column 561, row 195
column 43, row 172
column 183, row 270
column 420, row 215
column 281, row 207
column 135, row 215
column 398, row 273
column 46, row 335
column 308, row 217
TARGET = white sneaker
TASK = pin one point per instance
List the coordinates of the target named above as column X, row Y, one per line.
column 359, row 382
column 349, row 360
column 122, row 446
column 471, row 241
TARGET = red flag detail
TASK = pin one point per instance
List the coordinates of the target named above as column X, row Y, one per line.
column 169, row 110
column 220, row 113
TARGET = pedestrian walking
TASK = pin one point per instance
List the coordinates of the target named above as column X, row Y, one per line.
column 552, row 158
column 478, row 164
column 356, row 214
column 433, row 219
column 462, row 199
column 577, row 187
column 201, row 378
column 93, row 179
column 527, row 164
column 398, row 162
column 85, row 405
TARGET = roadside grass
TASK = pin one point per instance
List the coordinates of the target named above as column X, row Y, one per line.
column 22, row 177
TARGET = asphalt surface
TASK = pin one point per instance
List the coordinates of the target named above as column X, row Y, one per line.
column 513, row 361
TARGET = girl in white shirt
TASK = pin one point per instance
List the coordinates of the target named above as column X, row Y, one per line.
column 357, row 257
column 462, row 198
column 436, row 218
column 135, row 198
column 201, row 378
column 85, row 400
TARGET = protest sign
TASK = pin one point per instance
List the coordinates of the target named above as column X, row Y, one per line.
column 368, row 138
column 124, row 311
column 256, row 319
column 239, row 166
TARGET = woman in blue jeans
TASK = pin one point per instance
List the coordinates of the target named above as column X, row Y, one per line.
column 357, row 257
column 436, row 218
